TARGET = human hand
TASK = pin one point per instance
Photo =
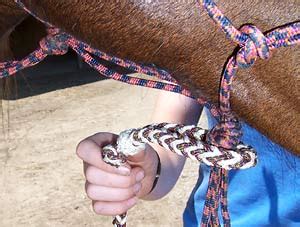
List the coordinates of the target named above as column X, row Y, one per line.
column 114, row 190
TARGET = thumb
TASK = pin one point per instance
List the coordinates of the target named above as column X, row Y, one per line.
column 144, row 157
column 137, row 158
column 132, row 161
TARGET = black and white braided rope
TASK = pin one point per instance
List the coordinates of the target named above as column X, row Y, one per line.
column 188, row 141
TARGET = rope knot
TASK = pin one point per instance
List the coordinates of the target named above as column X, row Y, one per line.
column 55, row 43
column 255, row 46
column 227, row 133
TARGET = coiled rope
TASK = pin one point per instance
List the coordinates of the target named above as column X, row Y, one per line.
column 220, row 147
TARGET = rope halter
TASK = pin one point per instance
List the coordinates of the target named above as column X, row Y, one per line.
column 220, row 147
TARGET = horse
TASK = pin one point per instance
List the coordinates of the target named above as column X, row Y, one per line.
column 180, row 38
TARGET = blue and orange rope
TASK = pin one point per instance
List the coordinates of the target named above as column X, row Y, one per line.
column 226, row 134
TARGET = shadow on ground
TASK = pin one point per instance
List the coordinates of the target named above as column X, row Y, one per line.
column 54, row 73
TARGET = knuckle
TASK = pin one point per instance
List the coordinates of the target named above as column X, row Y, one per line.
column 80, row 148
column 133, row 180
column 90, row 192
column 127, row 182
column 89, row 174
column 129, row 193
column 123, row 194
column 83, row 147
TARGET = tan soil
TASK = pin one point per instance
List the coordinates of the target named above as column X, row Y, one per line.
column 41, row 177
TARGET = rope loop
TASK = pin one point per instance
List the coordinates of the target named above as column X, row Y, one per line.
column 255, row 46
column 55, row 43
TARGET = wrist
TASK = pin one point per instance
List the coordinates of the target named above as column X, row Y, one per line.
column 152, row 181
column 157, row 175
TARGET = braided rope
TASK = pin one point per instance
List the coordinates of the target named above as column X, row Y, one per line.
column 188, row 141
column 224, row 137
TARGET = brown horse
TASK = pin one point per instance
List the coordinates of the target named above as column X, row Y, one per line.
column 179, row 37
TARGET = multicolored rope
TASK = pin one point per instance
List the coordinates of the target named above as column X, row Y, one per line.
column 185, row 140
column 226, row 134
column 253, row 43
column 188, row 141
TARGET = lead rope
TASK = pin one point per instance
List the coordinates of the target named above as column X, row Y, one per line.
column 188, row 141
column 220, row 147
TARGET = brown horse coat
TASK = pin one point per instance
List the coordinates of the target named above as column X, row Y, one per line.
column 180, row 37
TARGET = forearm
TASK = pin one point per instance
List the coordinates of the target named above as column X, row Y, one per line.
column 171, row 108
column 171, row 167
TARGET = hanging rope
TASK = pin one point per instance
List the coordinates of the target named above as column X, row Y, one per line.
column 220, row 147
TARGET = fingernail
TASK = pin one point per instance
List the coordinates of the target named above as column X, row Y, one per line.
column 137, row 187
column 140, row 176
column 124, row 171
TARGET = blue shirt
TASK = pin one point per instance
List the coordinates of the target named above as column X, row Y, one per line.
column 265, row 195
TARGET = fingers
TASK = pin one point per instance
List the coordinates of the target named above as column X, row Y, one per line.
column 114, row 208
column 112, row 190
column 102, row 178
column 107, row 194
column 89, row 150
column 112, row 194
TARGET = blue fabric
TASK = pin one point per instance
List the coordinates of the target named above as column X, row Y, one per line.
column 266, row 195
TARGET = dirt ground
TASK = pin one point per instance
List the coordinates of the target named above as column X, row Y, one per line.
column 41, row 177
